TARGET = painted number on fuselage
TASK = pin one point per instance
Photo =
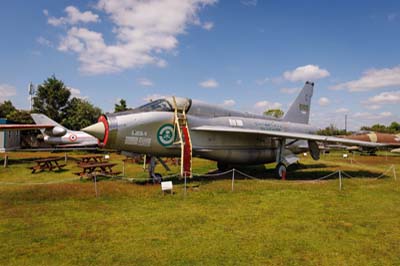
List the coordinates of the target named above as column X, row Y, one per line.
column 166, row 135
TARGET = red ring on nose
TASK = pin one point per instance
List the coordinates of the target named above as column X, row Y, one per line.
column 103, row 119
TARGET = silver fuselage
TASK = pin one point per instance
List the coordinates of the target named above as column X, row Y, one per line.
column 71, row 139
column 140, row 133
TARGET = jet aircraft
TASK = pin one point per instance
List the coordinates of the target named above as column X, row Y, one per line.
column 55, row 134
column 390, row 141
column 183, row 127
column 61, row 136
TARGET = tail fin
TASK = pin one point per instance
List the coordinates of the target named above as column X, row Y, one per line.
column 41, row 119
column 299, row 111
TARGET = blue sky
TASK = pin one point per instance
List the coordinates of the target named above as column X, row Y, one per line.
column 245, row 54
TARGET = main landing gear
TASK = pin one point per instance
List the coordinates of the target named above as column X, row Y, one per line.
column 156, row 177
column 280, row 171
column 281, row 167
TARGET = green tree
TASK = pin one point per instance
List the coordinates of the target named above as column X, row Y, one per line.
column 394, row 127
column 51, row 98
column 331, row 130
column 121, row 106
column 278, row 113
column 381, row 128
column 6, row 108
column 80, row 113
column 20, row 116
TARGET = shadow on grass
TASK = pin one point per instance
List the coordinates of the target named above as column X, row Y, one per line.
column 296, row 172
column 314, row 175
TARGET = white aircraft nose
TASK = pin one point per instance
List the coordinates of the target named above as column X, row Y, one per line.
column 97, row 130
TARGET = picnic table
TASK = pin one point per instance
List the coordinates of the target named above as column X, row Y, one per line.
column 47, row 164
column 96, row 158
column 101, row 168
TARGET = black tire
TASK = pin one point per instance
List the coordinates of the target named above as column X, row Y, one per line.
column 222, row 167
column 157, row 178
column 281, row 171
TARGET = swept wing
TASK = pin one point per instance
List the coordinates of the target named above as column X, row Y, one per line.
column 287, row 135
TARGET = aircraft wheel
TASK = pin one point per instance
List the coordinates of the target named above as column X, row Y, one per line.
column 157, row 178
column 281, row 171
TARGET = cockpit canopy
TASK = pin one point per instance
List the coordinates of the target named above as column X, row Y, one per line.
column 194, row 107
column 167, row 104
column 157, row 105
column 161, row 105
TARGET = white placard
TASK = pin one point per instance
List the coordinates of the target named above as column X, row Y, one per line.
column 166, row 185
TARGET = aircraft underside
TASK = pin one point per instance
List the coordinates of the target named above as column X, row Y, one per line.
column 238, row 156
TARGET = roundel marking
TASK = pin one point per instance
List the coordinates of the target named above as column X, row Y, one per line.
column 166, row 135
column 73, row 137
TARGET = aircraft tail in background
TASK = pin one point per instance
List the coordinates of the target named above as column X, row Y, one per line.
column 58, row 129
column 299, row 111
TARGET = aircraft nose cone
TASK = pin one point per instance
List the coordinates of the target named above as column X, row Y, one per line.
column 97, row 130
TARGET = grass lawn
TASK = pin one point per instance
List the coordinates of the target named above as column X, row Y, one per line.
column 263, row 222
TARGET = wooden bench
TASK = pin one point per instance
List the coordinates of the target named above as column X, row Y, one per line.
column 47, row 164
column 93, row 169
column 95, row 158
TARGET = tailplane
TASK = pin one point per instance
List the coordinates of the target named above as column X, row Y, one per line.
column 42, row 119
column 299, row 111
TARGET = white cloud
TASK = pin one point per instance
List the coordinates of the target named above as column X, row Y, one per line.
column 266, row 105
column 145, row 82
column 210, row 83
column 152, row 97
column 43, row 41
column 76, row 93
column 304, row 73
column 263, row 81
column 362, row 114
column 208, row 25
column 74, row 16
column 143, row 31
column 323, row 101
column 392, row 97
column 386, row 114
column 290, row 90
column 354, row 120
column 373, row 79
column 370, row 116
column 342, row 110
column 373, row 107
column 229, row 103
column 7, row 91
column 249, row 2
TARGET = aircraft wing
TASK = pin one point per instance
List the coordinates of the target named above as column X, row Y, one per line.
column 24, row 126
column 288, row 135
